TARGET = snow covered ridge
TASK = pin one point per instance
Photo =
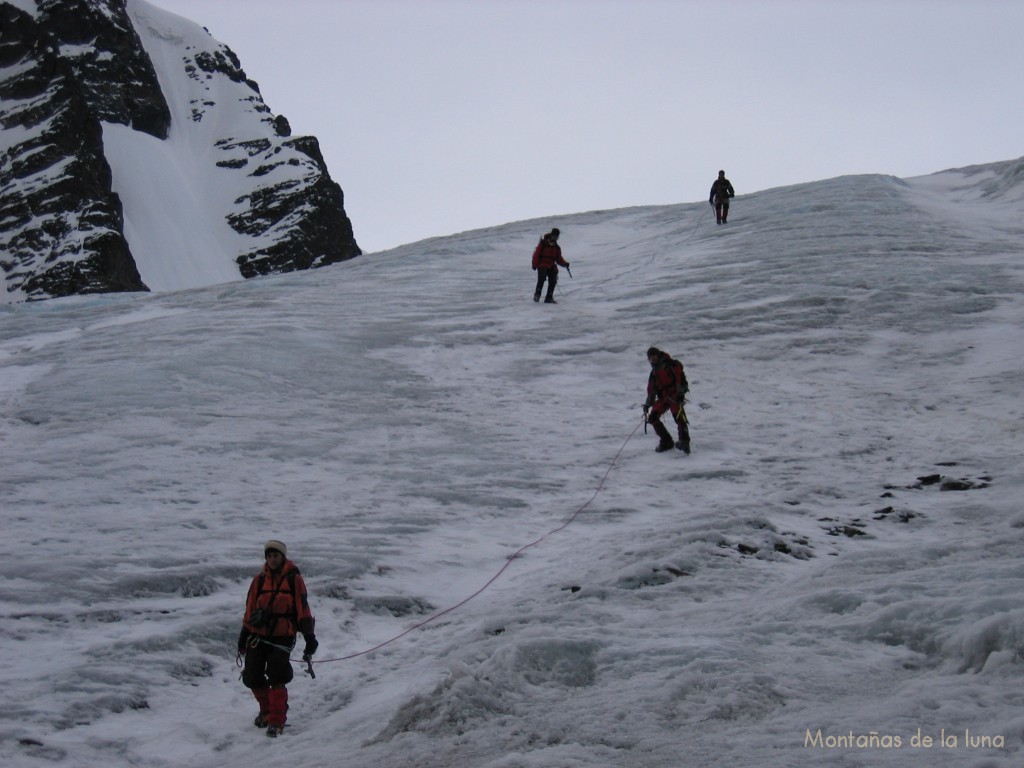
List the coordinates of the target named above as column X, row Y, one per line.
column 136, row 155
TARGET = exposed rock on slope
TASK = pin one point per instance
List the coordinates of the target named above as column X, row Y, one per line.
column 61, row 228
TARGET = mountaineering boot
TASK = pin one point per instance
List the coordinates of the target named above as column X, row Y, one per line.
column 536, row 296
column 261, row 699
column 550, row 300
column 683, row 444
column 665, row 439
column 277, row 713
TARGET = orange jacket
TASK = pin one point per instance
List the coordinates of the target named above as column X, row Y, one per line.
column 283, row 596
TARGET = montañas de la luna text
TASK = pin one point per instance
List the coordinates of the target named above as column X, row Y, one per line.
column 878, row 740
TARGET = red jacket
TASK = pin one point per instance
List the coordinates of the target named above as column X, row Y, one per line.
column 547, row 254
column 283, row 594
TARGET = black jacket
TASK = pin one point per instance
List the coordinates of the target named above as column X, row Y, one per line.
column 722, row 189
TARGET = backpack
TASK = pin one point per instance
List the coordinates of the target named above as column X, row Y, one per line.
column 682, row 385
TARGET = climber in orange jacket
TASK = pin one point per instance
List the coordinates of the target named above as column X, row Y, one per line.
column 276, row 610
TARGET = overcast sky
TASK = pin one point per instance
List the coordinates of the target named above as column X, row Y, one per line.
column 439, row 116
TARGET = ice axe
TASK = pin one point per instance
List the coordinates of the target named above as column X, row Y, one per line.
column 570, row 276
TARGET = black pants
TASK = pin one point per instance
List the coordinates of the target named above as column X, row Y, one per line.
column 551, row 275
column 266, row 665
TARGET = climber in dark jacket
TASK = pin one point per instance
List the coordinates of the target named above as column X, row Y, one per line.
column 721, row 192
column 666, row 391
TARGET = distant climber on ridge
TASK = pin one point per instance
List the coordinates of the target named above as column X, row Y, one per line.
column 721, row 191
column 546, row 258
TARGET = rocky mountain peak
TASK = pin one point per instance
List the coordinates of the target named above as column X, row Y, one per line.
column 135, row 154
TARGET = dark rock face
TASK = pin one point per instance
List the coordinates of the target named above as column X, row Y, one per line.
column 305, row 209
column 99, row 42
column 282, row 126
column 60, row 223
column 80, row 63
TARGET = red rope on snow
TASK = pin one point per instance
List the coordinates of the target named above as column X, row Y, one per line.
column 502, row 570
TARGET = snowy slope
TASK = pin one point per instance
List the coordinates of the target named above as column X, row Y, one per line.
column 789, row 594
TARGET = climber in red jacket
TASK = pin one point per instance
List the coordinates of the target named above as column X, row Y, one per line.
column 546, row 258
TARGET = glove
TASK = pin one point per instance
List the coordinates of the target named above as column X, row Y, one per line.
column 243, row 641
column 311, row 646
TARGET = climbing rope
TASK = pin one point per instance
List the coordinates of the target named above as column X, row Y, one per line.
column 497, row 575
column 508, row 562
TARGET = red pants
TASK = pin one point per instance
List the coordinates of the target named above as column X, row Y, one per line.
column 273, row 704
